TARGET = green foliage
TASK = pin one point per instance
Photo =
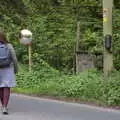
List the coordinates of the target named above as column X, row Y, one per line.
column 116, row 38
column 88, row 86
column 92, row 86
column 116, row 48
column 53, row 24
column 92, row 42
column 54, row 38
column 38, row 80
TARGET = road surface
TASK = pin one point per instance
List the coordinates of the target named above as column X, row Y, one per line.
column 29, row 108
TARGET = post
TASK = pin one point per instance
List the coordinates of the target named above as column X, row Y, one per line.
column 30, row 57
column 107, row 29
column 26, row 39
column 77, row 46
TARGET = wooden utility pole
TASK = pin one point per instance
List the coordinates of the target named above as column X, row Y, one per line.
column 77, row 46
column 107, row 30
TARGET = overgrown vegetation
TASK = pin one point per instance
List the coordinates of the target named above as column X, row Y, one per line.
column 87, row 86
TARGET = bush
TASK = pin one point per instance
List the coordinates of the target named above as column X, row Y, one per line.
column 88, row 86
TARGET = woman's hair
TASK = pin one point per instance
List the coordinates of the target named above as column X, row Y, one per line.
column 3, row 38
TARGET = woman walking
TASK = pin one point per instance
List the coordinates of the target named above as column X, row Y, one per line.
column 8, row 66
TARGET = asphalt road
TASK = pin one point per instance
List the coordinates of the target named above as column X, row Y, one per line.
column 29, row 108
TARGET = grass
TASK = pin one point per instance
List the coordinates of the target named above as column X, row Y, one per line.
column 88, row 87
